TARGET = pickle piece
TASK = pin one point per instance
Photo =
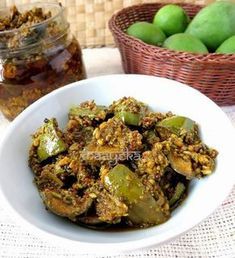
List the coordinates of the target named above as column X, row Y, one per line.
column 48, row 179
column 192, row 164
column 178, row 125
column 179, row 191
column 50, row 143
column 129, row 110
column 65, row 203
column 129, row 118
column 98, row 112
column 181, row 166
column 143, row 209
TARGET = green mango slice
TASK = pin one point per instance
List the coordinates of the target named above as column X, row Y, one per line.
column 181, row 166
column 86, row 112
column 179, row 191
column 143, row 209
column 129, row 118
column 177, row 125
column 50, row 144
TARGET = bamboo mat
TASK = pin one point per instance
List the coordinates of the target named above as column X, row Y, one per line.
column 88, row 18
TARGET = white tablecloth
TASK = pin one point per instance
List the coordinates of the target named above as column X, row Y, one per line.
column 215, row 237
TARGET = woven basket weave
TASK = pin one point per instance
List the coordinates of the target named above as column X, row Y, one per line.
column 212, row 74
column 88, row 18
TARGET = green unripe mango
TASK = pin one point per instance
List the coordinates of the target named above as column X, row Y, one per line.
column 171, row 19
column 185, row 42
column 227, row 47
column 214, row 24
column 147, row 32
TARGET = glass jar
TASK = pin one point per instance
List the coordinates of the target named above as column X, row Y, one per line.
column 36, row 59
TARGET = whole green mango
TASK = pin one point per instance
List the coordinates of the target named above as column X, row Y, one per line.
column 227, row 47
column 213, row 24
column 185, row 42
column 147, row 32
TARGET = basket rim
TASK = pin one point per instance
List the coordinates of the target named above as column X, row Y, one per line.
column 212, row 58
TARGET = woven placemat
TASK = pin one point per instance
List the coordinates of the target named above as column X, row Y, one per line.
column 215, row 237
column 88, row 18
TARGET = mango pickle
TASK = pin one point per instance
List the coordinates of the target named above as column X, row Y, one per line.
column 179, row 191
column 118, row 167
column 129, row 118
column 85, row 112
column 180, row 165
column 129, row 110
column 178, row 125
column 50, row 143
column 197, row 163
column 143, row 209
column 38, row 54
column 65, row 204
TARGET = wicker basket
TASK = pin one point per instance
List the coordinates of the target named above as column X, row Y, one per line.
column 212, row 74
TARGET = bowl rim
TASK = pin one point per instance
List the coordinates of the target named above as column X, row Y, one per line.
column 88, row 247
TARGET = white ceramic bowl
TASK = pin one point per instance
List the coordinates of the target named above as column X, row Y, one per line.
column 162, row 95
